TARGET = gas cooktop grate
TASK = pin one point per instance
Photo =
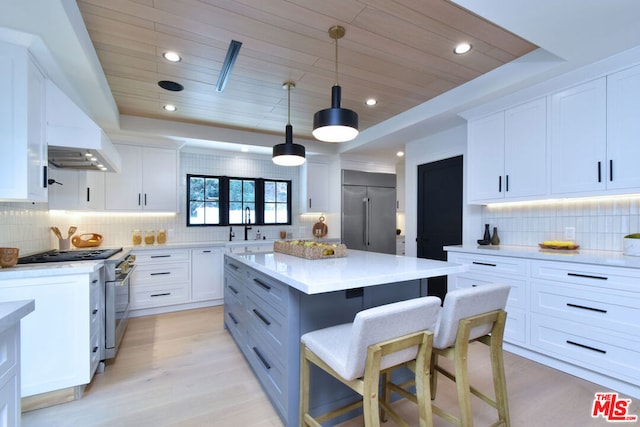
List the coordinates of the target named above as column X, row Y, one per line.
column 68, row 256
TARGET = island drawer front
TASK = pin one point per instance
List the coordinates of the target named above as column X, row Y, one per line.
column 234, row 311
column 491, row 264
column 170, row 272
column 158, row 296
column 604, row 351
column 517, row 293
column 610, row 309
column 8, row 350
column 586, row 274
column 161, row 256
column 268, row 322
column 234, row 267
column 269, row 289
column 269, row 370
column 95, row 351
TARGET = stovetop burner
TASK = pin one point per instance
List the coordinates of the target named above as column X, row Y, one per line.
column 68, row 256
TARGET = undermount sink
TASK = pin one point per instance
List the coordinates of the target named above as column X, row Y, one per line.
column 244, row 247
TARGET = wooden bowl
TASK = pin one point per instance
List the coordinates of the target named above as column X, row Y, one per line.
column 8, row 257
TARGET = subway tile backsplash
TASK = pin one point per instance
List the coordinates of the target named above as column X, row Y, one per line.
column 599, row 224
column 27, row 225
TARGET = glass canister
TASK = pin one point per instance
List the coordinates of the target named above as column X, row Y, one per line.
column 162, row 236
column 136, row 237
column 149, row 237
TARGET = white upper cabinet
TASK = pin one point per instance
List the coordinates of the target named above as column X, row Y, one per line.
column 579, row 139
column 507, row 154
column 23, row 163
column 623, row 129
column 314, row 187
column 76, row 190
column 148, row 181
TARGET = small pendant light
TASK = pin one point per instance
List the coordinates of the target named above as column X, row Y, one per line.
column 335, row 124
column 288, row 154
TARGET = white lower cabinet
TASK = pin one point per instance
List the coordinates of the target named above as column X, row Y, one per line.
column 162, row 277
column 580, row 318
column 206, row 273
column 59, row 337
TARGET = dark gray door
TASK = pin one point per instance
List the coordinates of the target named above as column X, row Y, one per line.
column 439, row 213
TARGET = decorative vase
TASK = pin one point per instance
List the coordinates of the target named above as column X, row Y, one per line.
column 495, row 239
column 486, row 236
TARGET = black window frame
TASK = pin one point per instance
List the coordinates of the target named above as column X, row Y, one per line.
column 224, row 200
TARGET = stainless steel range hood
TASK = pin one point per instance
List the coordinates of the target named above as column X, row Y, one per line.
column 75, row 141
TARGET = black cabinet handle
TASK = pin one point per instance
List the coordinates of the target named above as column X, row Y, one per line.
column 234, row 290
column 599, row 171
column 88, row 194
column 206, row 252
column 94, row 349
column 160, row 256
column 500, row 184
column 261, row 283
column 261, row 357
column 588, row 347
column 261, row 317
column 94, row 312
column 164, row 294
column 583, row 307
column 145, row 199
column 233, row 318
column 487, row 264
column 507, row 183
column 164, row 273
column 139, row 199
column 45, row 174
column 610, row 170
column 95, row 281
column 587, row 276
column 235, row 267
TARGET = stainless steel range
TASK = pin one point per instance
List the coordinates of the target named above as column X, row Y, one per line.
column 118, row 266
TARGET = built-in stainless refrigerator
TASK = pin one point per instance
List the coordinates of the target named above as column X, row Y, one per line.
column 369, row 211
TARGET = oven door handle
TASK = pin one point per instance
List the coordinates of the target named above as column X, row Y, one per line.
column 120, row 280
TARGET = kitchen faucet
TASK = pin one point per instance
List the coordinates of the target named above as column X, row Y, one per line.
column 247, row 221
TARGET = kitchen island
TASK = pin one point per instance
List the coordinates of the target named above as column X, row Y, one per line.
column 271, row 299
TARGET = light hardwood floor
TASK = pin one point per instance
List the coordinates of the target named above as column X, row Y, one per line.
column 183, row 369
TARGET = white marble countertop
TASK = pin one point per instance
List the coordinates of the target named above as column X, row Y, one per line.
column 612, row 258
column 23, row 271
column 12, row 311
column 357, row 269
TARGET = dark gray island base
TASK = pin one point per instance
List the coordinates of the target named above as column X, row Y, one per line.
column 266, row 317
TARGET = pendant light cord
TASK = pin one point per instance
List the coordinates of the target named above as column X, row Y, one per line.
column 289, row 104
column 337, row 84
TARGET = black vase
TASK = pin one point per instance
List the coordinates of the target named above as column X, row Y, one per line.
column 487, row 235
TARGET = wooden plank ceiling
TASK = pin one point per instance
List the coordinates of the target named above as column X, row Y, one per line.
column 399, row 52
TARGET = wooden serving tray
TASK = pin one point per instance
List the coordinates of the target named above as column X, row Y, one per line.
column 310, row 249
column 559, row 248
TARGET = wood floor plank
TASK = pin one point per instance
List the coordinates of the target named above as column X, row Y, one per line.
column 183, row 369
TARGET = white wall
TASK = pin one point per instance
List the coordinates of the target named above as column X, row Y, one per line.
column 450, row 143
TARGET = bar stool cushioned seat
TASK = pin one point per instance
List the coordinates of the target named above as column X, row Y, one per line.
column 356, row 353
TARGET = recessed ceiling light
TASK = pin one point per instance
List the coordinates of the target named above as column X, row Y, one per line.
column 371, row 101
column 171, row 56
column 170, row 107
column 462, row 48
column 400, row 153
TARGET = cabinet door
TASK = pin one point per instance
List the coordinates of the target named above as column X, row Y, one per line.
column 206, row 274
column 315, row 188
column 623, row 129
column 160, row 179
column 525, row 133
column 123, row 191
column 24, row 151
column 64, row 193
column 92, row 188
column 578, row 138
column 485, row 158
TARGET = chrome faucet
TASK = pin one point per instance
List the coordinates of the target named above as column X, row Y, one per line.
column 247, row 221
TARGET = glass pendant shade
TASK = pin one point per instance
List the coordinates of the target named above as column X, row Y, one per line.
column 335, row 124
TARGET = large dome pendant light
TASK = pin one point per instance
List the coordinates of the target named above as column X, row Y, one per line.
column 288, row 154
column 335, row 124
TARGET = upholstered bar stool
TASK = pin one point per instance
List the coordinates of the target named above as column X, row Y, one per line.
column 472, row 314
column 378, row 340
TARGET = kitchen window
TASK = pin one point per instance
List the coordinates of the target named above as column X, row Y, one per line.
column 219, row 200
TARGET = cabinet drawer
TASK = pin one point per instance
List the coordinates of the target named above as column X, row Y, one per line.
column 517, row 293
column 95, row 351
column 8, row 349
column 586, row 274
column 491, row 264
column 235, row 320
column 515, row 330
column 268, row 322
column 95, row 317
column 605, row 308
column 269, row 289
column 268, row 369
column 158, row 296
column 169, row 272
column 157, row 256
column 603, row 351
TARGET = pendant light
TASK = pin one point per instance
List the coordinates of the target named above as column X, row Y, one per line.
column 335, row 124
column 288, row 154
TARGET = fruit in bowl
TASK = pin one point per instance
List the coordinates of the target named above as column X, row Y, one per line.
column 8, row 257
